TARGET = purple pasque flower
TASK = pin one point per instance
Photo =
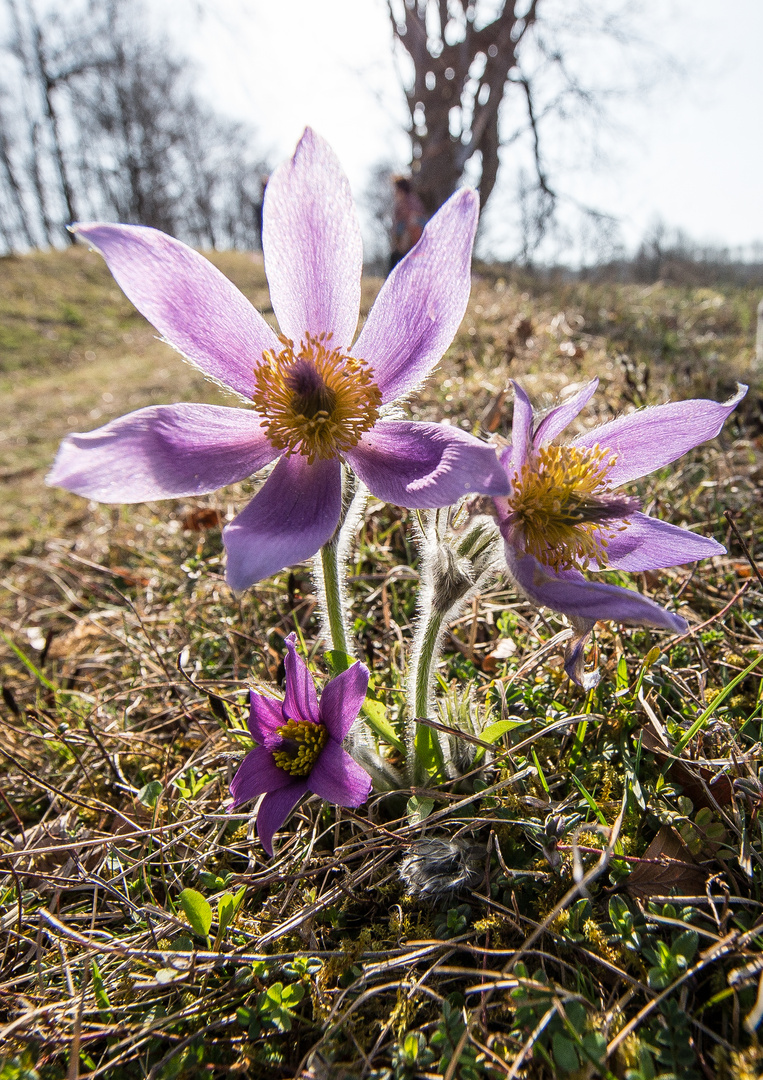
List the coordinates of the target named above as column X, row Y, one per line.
column 563, row 514
column 301, row 745
column 317, row 399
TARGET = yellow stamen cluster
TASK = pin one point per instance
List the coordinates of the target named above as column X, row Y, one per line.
column 315, row 401
column 561, row 505
column 301, row 746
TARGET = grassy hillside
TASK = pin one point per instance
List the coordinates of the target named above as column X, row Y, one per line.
column 116, row 764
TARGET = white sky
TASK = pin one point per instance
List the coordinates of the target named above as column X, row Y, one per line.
column 692, row 154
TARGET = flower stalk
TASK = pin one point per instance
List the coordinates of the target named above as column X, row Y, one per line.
column 332, row 594
column 454, row 569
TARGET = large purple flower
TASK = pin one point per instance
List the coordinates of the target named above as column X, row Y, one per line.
column 318, row 399
column 301, row 745
column 563, row 514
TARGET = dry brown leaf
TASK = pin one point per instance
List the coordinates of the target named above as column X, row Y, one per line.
column 667, row 864
column 201, row 518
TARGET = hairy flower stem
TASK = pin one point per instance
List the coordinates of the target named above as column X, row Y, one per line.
column 427, row 752
column 333, row 595
column 454, row 567
column 330, row 568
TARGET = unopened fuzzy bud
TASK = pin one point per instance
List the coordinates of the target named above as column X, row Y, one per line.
column 458, row 565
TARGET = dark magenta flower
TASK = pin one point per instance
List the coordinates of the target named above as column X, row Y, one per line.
column 301, row 745
column 563, row 514
column 315, row 399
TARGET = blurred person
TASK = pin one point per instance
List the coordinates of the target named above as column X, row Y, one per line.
column 408, row 220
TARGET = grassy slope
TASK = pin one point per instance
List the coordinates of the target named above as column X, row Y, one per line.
column 104, row 599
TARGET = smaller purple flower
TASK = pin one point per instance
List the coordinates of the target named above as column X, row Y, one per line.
column 563, row 514
column 301, row 745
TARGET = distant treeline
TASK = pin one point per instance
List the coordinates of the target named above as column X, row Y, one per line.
column 670, row 255
column 100, row 120
column 664, row 255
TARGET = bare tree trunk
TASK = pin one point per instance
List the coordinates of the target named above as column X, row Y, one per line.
column 48, row 83
column 457, row 90
column 14, row 191
column 34, row 148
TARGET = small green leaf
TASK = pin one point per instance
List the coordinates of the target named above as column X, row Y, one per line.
column 376, row 717
column 168, row 975
column 149, row 793
column 292, row 995
column 622, row 673
column 576, row 1013
column 101, row 997
column 226, row 909
column 197, row 911
column 565, row 1053
column 418, row 809
column 338, row 661
column 595, row 1045
column 685, row 946
column 539, row 771
column 493, row 732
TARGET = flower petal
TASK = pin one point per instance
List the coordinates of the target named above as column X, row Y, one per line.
column 338, row 779
column 294, row 513
column 300, row 699
column 648, row 544
column 192, row 305
column 574, row 654
column 342, row 699
column 572, row 595
column 257, row 774
column 163, row 452
column 275, row 808
column 312, row 245
column 422, row 466
column 647, row 440
column 521, row 433
column 265, row 715
column 422, row 302
column 557, row 419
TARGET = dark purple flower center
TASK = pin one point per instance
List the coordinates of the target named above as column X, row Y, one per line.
column 317, row 401
column 310, row 393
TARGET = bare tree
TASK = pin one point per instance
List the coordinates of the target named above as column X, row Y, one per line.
column 100, row 118
column 482, row 75
column 460, row 69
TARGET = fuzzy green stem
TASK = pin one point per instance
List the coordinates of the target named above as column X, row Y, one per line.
column 427, row 752
column 333, row 597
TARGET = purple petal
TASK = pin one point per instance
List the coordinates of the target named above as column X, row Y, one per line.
column 574, row 654
column 648, row 544
column 265, row 715
column 422, row 466
column 275, row 808
column 342, row 699
column 192, row 305
column 572, row 595
column 300, row 700
column 338, row 779
column 163, row 452
column 294, row 513
column 422, row 302
column 313, row 250
column 521, row 433
column 557, row 419
column 257, row 774
column 647, row 440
